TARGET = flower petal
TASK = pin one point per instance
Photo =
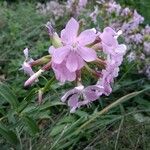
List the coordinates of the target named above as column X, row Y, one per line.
column 69, row 34
column 121, row 49
column 111, row 31
column 69, row 93
column 108, row 38
column 71, row 76
column 73, row 100
column 62, row 73
column 87, row 37
column 59, row 54
column 72, row 62
column 82, row 3
column 27, row 69
column 87, row 54
column 51, row 50
column 81, row 62
column 26, row 53
column 93, row 92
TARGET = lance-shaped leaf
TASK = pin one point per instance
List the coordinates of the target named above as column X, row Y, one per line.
column 8, row 95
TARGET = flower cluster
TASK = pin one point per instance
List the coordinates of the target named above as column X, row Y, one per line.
column 54, row 8
column 129, row 21
column 57, row 10
column 76, row 6
column 74, row 51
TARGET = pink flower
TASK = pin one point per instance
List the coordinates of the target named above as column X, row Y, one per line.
column 115, row 53
column 26, row 64
column 114, row 7
column 109, row 73
column 146, row 48
column 94, row 14
column 75, row 50
column 126, row 11
column 27, row 68
column 137, row 18
column 80, row 96
column 108, row 39
column 110, row 44
column 82, row 3
column 61, row 72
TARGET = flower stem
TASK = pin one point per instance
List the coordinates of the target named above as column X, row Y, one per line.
column 41, row 61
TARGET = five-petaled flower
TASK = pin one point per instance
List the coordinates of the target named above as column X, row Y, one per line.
column 75, row 51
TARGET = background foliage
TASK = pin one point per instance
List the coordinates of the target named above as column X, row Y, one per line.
column 24, row 124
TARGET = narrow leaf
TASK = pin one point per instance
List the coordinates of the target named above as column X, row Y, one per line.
column 8, row 95
column 31, row 124
column 9, row 135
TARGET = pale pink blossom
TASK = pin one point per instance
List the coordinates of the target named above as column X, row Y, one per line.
column 125, row 12
column 147, row 48
column 108, row 75
column 26, row 67
column 137, row 18
column 94, row 14
column 80, row 96
column 75, row 51
column 110, row 44
column 136, row 38
column 113, row 7
column 82, row 3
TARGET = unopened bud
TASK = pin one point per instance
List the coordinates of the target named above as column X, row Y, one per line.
column 56, row 41
column 50, row 29
column 33, row 77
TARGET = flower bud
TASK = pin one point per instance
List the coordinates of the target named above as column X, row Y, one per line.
column 56, row 41
column 33, row 77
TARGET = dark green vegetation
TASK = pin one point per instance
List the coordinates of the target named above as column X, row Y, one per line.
column 24, row 124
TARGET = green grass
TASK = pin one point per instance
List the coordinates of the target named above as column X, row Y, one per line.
column 118, row 122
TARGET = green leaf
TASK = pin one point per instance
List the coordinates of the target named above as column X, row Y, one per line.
column 31, row 125
column 47, row 87
column 8, row 95
column 82, row 113
column 67, row 119
column 27, row 100
column 9, row 135
column 57, row 130
column 50, row 104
